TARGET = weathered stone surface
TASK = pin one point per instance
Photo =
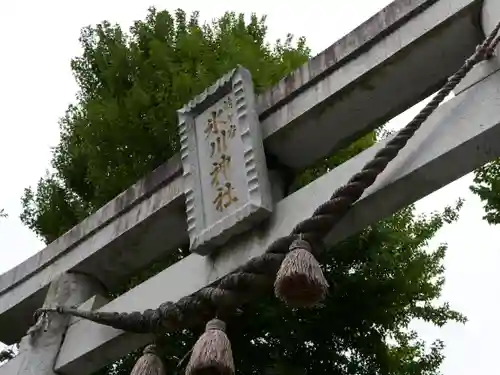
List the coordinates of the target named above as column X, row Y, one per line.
column 226, row 182
column 466, row 128
column 378, row 70
column 355, row 88
column 133, row 239
column 39, row 349
column 12, row 367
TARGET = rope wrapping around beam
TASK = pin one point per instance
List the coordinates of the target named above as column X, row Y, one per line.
column 257, row 275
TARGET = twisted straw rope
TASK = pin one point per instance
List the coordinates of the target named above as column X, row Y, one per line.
column 258, row 274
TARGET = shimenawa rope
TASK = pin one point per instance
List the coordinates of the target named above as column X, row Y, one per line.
column 257, row 275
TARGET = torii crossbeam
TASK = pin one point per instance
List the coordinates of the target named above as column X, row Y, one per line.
column 407, row 36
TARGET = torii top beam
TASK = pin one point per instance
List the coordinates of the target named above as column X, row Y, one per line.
column 378, row 70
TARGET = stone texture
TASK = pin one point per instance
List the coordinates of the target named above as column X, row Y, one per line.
column 226, row 180
column 465, row 128
column 405, row 52
column 38, row 352
column 131, row 241
column 376, row 71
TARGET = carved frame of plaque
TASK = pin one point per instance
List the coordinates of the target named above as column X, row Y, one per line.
column 207, row 231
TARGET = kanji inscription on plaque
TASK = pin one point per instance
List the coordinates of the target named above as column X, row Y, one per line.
column 227, row 189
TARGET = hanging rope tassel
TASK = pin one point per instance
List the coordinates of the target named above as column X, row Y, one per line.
column 149, row 363
column 212, row 354
column 300, row 281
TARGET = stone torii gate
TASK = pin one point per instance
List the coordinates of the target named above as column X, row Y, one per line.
column 395, row 59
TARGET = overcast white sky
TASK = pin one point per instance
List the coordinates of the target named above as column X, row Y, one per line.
column 38, row 39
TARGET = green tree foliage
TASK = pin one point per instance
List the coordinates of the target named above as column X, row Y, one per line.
column 123, row 125
column 487, row 187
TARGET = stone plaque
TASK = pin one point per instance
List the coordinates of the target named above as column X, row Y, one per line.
column 226, row 181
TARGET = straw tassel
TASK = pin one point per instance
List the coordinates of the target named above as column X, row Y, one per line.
column 300, row 281
column 212, row 354
column 149, row 363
